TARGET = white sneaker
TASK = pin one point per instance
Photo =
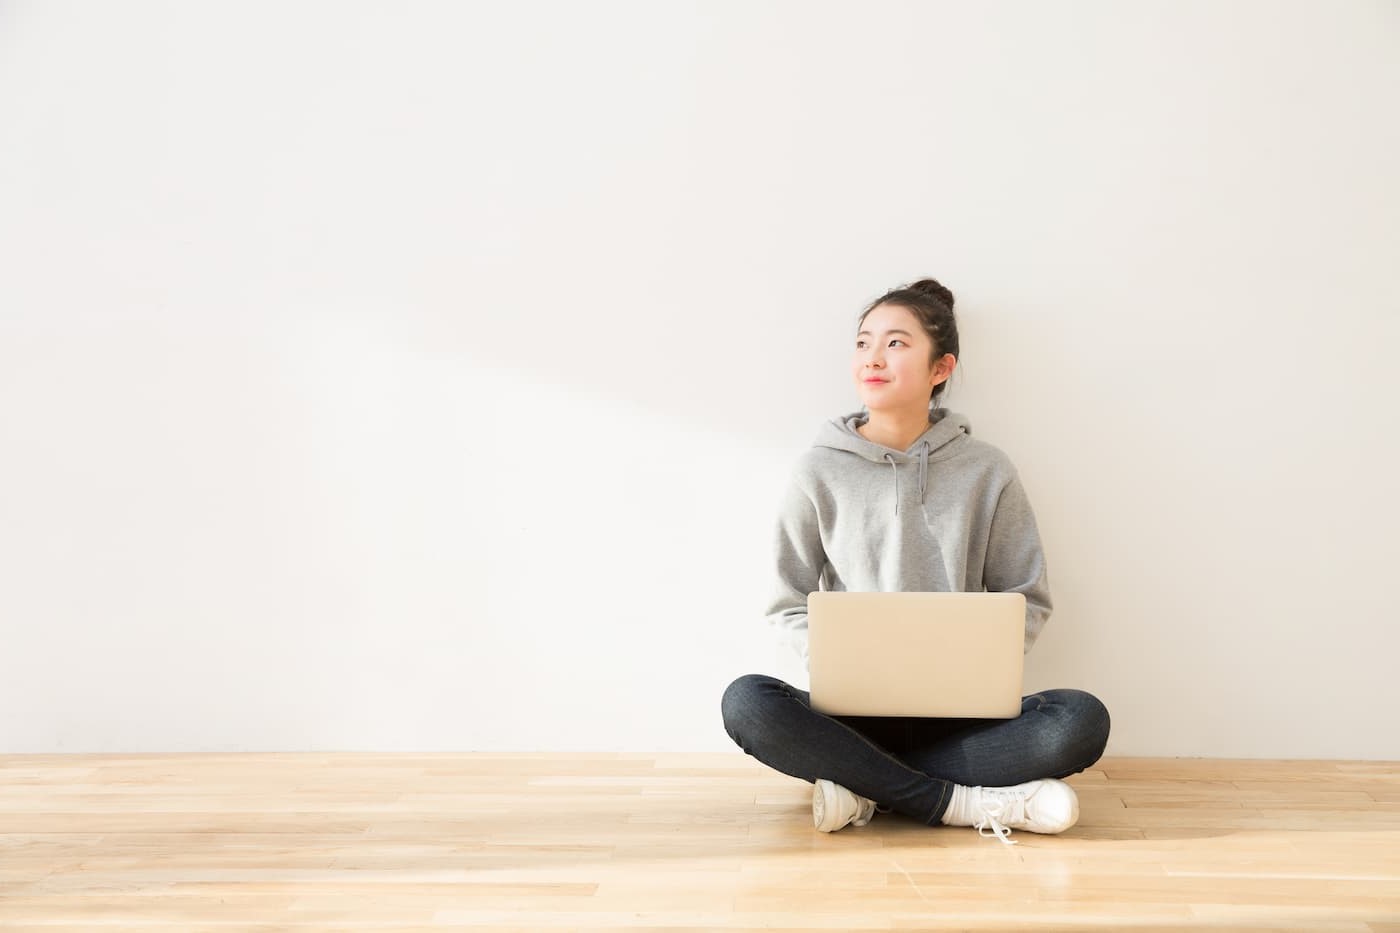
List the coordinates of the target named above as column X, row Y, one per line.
column 834, row 807
column 1045, row 806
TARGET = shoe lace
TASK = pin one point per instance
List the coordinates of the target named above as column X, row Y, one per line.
column 996, row 811
column 865, row 810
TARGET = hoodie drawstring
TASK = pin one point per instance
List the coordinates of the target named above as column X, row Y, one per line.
column 890, row 458
column 923, row 474
column 923, row 468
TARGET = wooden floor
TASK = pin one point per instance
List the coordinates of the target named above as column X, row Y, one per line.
column 671, row 842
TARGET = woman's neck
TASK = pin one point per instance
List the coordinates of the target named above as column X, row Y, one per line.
column 897, row 430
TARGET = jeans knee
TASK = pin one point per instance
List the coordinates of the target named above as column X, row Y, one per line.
column 1093, row 722
column 737, row 703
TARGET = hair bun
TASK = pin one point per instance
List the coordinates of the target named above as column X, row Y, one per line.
column 934, row 288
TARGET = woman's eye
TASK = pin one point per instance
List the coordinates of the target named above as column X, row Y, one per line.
column 896, row 340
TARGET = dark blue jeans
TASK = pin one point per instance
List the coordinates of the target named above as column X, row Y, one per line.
column 909, row 764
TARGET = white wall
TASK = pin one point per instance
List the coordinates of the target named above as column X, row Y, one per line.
column 423, row 377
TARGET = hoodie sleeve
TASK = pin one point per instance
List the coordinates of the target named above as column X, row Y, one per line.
column 1015, row 559
column 800, row 558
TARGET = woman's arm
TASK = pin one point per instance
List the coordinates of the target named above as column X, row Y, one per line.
column 799, row 558
column 1015, row 559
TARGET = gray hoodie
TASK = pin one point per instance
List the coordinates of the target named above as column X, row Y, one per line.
column 947, row 515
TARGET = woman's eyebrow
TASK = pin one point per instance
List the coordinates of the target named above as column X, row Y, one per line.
column 904, row 332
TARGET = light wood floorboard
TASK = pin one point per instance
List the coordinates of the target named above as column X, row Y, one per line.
column 671, row 842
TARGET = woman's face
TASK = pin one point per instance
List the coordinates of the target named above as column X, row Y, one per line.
column 893, row 348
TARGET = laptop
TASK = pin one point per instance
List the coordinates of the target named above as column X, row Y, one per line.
column 916, row 654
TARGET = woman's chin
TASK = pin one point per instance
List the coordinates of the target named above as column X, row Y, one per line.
column 886, row 406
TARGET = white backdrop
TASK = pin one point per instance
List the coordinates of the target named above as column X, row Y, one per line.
column 424, row 376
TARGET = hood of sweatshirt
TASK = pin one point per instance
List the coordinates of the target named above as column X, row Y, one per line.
column 946, row 430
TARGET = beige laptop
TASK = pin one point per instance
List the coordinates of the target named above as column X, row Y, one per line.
column 916, row 654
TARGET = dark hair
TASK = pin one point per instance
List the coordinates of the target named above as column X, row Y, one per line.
column 932, row 304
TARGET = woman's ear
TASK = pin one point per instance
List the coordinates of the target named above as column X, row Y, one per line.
column 946, row 364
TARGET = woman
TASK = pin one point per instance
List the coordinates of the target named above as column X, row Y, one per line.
column 903, row 498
